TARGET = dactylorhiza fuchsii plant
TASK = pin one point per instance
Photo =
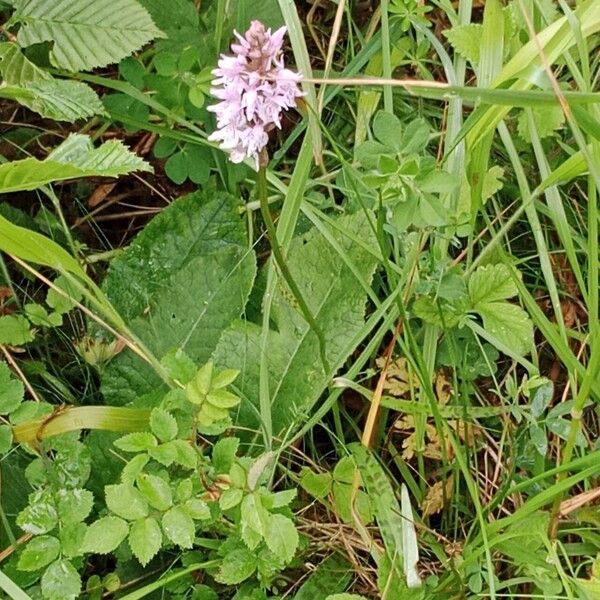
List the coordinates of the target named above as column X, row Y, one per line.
column 254, row 88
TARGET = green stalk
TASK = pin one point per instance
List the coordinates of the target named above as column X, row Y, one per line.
column 281, row 263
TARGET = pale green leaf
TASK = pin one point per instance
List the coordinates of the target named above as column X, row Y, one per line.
column 547, row 119
column 104, row 535
column 73, row 505
column 197, row 509
column 59, row 302
column 6, row 438
column 236, row 567
column 509, row 324
column 491, row 284
column 11, row 390
column 163, row 424
column 337, row 301
column 74, row 158
column 61, row 581
column 385, row 504
column 180, row 283
column 281, row 537
column 317, row 485
column 179, row 527
column 14, row 330
column 223, row 454
column 145, row 540
column 85, row 35
column 16, row 68
column 466, row 40
column 126, row 501
column 57, row 99
column 156, row 491
column 39, row 516
column 136, row 442
column 492, row 182
column 39, row 552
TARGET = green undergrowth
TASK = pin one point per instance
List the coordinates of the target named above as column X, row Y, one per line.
column 405, row 407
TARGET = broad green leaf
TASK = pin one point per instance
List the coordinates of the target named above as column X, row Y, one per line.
column 163, row 424
column 180, row 283
column 254, row 514
column 230, row 498
column 133, row 468
column 179, row 527
column 345, row 596
column 281, row 537
column 104, row 535
column 508, row 323
column 57, row 99
column 39, row 516
column 39, row 552
column 74, row 158
column 317, row 485
column 126, row 501
column 6, row 438
column 16, row 68
column 136, row 442
column 73, row 505
column 236, row 567
column 342, row 495
column 195, row 225
column 156, row 491
column 61, row 581
column 63, row 304
column 337, row 301
column 491, row 283
column 14, row 330
column 84, row 34
column 11, row 390
column 145, row 540
column 185, row 454
column 466, row 40
column 223, row 454
column 197, row 509
column 179, row 366
column 38, row 315
column 71, row 539
column 489, row 288
column 387, row 128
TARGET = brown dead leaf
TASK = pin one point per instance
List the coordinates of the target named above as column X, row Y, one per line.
column 434, row 498
column 399, row 380
column 443, row 388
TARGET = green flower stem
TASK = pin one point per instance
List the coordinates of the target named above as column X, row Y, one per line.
column 285, row 272
column 107, row 418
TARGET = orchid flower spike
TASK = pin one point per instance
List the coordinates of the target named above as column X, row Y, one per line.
column 254, row 88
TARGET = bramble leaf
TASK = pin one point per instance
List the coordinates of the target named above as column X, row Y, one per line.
column 145, row 539
column 39, row 552
column 104, row 535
